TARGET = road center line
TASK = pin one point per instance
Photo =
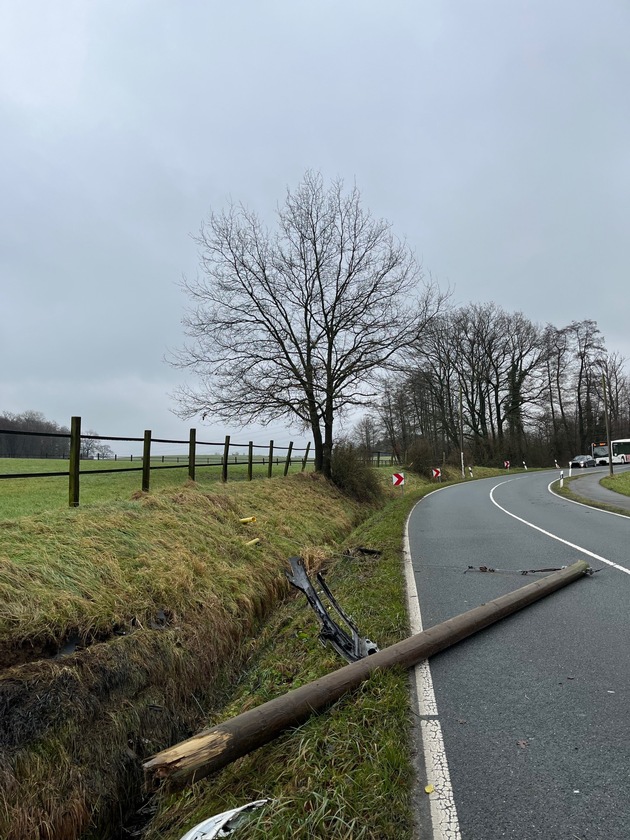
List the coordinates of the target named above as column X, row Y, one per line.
column 554, row 536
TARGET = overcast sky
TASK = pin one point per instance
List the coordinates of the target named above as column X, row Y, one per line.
column 494, row 136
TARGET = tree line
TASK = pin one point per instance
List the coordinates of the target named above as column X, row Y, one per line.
column 44, row 445
column 330, row 312
column 500, row 387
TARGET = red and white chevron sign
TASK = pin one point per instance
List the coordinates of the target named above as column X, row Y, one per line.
column 398, row 479
column 436, row 472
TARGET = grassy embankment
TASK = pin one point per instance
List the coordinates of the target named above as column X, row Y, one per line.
column 24, row 496
column 619, row 482
column 178, row 626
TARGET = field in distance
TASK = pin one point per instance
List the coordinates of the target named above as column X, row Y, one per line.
column 24, row 496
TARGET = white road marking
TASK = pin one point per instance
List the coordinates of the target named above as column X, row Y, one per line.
column 581, row 504
column 441, row 801
column 554, row 536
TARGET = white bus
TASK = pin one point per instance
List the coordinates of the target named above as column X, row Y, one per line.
column 620, row 451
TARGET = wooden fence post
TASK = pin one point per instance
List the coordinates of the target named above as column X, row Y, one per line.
column 250, row 460
column 75, row 459
column 287, row 463
column 226, row 454
column 192, row 445
column 305, row 458
column 270, row 468
column 146, row 461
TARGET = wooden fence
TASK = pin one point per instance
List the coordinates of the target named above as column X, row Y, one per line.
column 192, row 461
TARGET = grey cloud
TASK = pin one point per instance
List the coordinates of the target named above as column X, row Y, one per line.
column 492, row 135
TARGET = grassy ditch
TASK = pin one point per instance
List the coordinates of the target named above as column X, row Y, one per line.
column 345, row 774
column 127, row 626
column 122, row 625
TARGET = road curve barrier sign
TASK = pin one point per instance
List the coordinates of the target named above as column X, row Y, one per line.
column 398, row 479
column 436, row 472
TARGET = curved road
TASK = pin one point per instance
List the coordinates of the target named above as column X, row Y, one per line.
column 534, row 711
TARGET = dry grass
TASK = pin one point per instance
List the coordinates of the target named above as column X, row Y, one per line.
column 92, row 571
column 163, row 594
column 170, row 604
column 342, row 775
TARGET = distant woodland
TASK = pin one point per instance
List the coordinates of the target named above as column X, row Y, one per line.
column 505, row 387
column 34, row 445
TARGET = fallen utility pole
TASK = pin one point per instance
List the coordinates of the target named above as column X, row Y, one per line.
column 214, row 748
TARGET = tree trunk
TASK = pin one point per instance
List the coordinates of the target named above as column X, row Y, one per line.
column 318, row 449
column 327, row 450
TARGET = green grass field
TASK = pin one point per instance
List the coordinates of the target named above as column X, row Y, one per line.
column 620, row 483
column 24, row 496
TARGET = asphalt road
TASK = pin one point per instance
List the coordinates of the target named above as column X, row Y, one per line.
column 534, row 711
column 586, row 483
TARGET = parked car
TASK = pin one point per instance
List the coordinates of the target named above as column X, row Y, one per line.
column 582, row 461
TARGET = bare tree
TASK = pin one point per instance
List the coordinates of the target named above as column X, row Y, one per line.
column 494, row 359
column 297, row 324
column 93, row 448
column 558, row 364
column 365, row 435
column 590, row 352
column 616, row 381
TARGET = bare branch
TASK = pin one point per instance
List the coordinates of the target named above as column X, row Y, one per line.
column 298, row 324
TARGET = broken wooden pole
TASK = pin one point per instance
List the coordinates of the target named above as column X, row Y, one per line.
column 214, row 748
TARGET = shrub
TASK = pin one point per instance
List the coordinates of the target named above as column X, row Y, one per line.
column 353, row 476
column 421, row 458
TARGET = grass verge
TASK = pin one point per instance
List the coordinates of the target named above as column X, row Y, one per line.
column 345, row 773
column 162, row 602
column 157, row 598
column 619, row 483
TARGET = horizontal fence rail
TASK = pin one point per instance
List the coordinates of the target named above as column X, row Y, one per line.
column 148, row 461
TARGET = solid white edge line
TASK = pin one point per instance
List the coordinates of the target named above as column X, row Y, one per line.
column 581, row 504
column 554, row 536
column 442, row 803
column 441, row 800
